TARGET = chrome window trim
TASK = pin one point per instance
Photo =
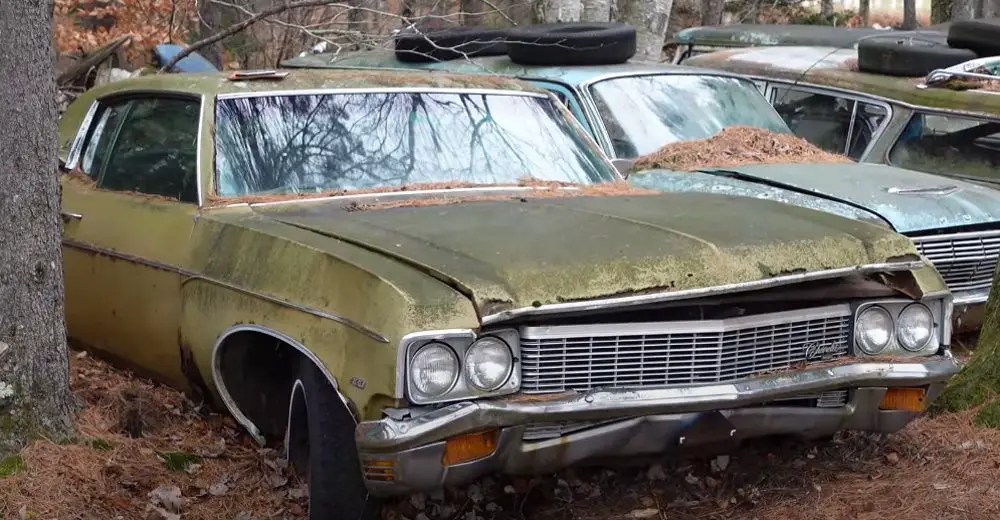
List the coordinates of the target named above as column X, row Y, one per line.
column 685, row 327
column 846, row 94
column 401, row 193
column 383, row 90
column 76, row 148
column 198, row 153
column 660, row 297
column 227, row 398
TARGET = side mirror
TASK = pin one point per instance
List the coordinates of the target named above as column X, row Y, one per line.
column 624, row 166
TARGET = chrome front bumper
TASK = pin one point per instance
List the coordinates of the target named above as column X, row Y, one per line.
column 642, row 422
column 969, row 307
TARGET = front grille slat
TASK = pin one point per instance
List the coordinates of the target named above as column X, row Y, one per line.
column 579, row 362
column 966, row 261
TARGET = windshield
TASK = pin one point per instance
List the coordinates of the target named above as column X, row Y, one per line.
column 644, row 113
column 351, row 141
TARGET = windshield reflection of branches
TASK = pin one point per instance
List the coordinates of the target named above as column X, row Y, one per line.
column 287, row 144
column 647, row 112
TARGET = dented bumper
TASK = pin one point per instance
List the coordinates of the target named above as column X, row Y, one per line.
column 406, row 454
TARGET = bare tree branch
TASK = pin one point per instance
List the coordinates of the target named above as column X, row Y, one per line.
column 234, row 29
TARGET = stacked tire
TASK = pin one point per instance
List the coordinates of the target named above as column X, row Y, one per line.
column 917, row 53
column 539, row 44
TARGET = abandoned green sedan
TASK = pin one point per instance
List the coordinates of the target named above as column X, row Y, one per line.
column 414, row 279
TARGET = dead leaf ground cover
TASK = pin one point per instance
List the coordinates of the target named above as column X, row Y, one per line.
column 144, row 452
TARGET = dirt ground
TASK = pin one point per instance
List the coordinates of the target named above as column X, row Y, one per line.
column 145, row 452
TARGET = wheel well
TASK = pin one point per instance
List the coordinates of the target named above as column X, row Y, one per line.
column 258, row 371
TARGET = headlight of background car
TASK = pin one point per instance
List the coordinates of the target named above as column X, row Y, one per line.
column 899, row 327
column 452, row 365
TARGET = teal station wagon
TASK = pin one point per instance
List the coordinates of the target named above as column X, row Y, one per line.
column 632, row 109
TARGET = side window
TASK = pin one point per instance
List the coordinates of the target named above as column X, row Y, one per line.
column 949, row 145
column 562, row 93
column 148, row 146
column 835, row 124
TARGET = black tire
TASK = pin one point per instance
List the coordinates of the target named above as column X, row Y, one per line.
column 450, row 44
column 336, row 486
column 909, row 53
column 571, row 43
column 980, row 36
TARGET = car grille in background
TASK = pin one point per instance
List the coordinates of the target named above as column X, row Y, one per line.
column 637, row 355
column 553, row 430
column 966, row 261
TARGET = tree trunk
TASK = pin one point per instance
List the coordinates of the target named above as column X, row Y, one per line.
column 909, row 15
column 554, row 11
column 650, row 19
column 711, row 11
column 963, row 9
column 825, row 7
column 979, row 381
column 865, row 12
column 596, row 10
column 34, row 372
column 990, row 9
column 212, row 19
column 753, row 15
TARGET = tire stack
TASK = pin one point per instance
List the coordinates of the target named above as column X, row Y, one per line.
column 917, row 53
column 539, row 44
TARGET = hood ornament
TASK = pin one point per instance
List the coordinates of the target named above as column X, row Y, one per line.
column 936, row 190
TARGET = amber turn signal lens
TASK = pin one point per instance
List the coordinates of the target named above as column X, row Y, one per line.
column 908, row 399
column 469, row 447
column 383, row 470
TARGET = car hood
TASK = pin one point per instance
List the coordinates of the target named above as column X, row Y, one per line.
column 910, row 200
column 521, row 252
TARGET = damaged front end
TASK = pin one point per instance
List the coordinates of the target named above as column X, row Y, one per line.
column 552, row 386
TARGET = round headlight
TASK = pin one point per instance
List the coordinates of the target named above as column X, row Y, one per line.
column 873, row 329
column 914, row 327
column 434, row 370
column 488, row 364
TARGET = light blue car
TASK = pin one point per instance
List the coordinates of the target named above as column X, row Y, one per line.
column 632, row 109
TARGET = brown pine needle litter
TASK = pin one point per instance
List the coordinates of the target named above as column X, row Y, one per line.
column 146, row 453
column 736, row 146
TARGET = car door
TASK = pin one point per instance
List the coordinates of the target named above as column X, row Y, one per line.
column 834, row 122
column 129, row 208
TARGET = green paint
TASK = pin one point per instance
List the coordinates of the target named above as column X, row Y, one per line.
column 11, row 465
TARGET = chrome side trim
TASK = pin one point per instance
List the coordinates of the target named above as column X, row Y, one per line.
column 192, row 276
column 684, row 327
column 227, row 399
column 659, row 297
column 76, row 149
column 384, row 90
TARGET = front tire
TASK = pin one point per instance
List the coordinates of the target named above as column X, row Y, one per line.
column 322, row 443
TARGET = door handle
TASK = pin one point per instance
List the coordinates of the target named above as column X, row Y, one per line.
column 66, row 216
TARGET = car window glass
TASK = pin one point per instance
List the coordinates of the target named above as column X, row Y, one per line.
column 329, row 142
column 867, row 121
column 101, row 138
column 949, row 145
column 643, row 113
column 156, row 150
column 818, row 118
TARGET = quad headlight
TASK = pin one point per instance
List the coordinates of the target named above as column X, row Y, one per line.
column 899, row 327
column 453, row 365
column 434, row 370
column 488, row 363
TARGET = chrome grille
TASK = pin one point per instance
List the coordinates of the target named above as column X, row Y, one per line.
column 966, row 261
column 582, row 357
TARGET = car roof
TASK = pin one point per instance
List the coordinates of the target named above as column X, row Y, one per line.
column 213, row 84
column 750, row 35
column 837, row 68
column 496, row 65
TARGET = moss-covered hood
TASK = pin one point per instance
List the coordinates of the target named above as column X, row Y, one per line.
column 522, row 252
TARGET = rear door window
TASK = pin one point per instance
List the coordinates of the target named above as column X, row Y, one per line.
column 949, row 145
column 836, row 124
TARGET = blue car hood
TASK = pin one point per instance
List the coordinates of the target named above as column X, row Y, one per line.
column 909, row 200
